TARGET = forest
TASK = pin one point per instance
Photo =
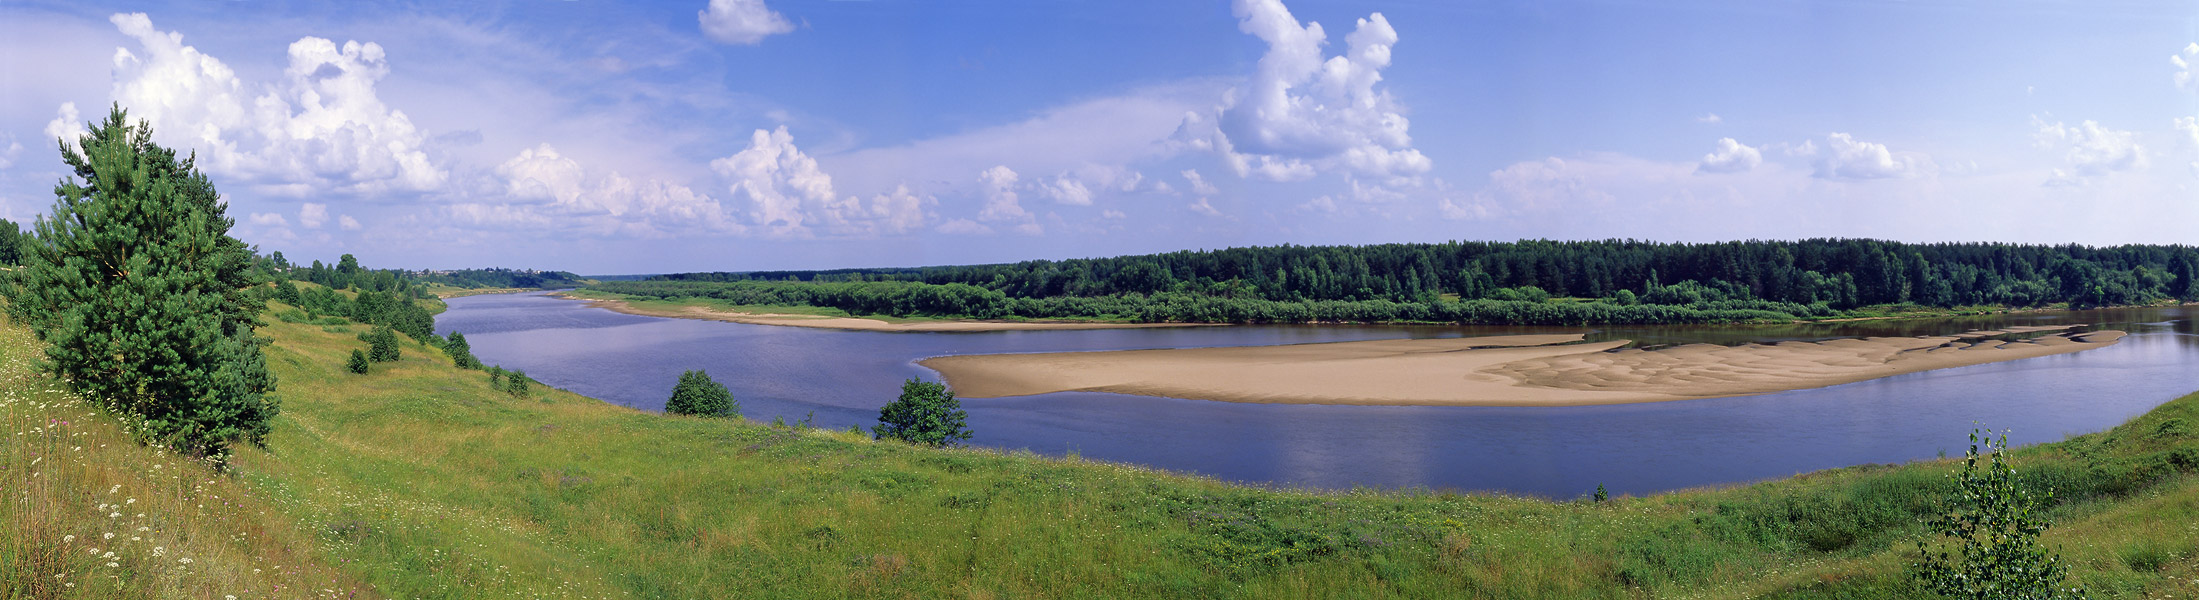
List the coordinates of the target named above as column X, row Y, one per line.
column 1526, row 282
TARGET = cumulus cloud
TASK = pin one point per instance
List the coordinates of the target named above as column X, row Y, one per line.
column 1204, row 208
column 320, row 128
column 2189, row 126
column 1002, row 205
column 963, row 227
column 2090, row 149
column 268, row 220
column 555, row 188
column 1198, row 183
column 742, row 22
column 1068, row 191
column 347, row 223
column 312, row 215
column 2187, row 67
column 785, row 190
column 1710, row 119
column 1848, row 158
column 8, row 154
column 1303, row 113
column 67, row 126
column 1730, row 157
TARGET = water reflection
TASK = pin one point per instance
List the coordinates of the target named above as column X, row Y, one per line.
column 843, row 377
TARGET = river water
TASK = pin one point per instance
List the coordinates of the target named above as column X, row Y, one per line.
column 838, row 379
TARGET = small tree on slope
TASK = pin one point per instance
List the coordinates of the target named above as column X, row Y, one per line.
column 697, row 395
column 142, row 295
column 926, row 413
column 1995, row 526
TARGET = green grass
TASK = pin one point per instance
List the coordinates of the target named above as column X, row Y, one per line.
column 419, row 480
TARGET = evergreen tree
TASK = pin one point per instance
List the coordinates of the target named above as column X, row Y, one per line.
column 358, row 363
column 142, row 296
column 382, row 344
column 461, row 353
column 926, row 413
column 696, row 394
column 517, row 384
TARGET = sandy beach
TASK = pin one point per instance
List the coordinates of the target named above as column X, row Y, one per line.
column 1521, row 370
column 854, row 324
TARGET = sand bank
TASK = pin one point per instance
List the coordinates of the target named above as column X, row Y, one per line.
column 1525, row 370
column 852, row 323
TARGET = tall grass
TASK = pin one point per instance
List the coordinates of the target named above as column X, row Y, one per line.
column 420, row 480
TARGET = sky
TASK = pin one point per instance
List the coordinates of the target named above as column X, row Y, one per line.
column 649, row 137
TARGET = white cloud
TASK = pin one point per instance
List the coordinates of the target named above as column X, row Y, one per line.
column 268, row 220
column 1198, row 183
column 8, row 154
column 1204, row 208
column 556, row 190
column 1001, row 202
column 1848, row 158
column 2189, row 126
column 1730, row 157
column 743, row 22
column 901, row 211
column 1068, row 191
column 1113, row 214
column 785, row 190
column 1710, row 118
column 321, row 128
column 2091, row 150
column 348, row 223
column 312, row 215
column 1301, row 113
column 963, row 227
column 67, row 126
column 2187, row 67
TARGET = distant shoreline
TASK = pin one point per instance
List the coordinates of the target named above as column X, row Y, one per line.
column 1518, row 370
column 854, row 323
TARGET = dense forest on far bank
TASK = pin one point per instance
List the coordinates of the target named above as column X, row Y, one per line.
column 1526, row 282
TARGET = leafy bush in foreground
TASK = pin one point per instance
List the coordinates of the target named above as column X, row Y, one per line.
column 926, row 413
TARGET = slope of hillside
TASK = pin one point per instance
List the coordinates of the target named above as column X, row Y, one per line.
column 420, row 480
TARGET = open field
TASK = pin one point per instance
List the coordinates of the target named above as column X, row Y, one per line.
column 419, row 480
column 1516, row 370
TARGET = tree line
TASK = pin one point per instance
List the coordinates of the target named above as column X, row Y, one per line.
column 1840, row 273
column 1529, row 282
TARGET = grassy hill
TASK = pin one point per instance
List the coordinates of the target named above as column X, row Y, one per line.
column 419, row 480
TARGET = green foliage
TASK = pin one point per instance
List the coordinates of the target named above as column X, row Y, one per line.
column 697, row 395
column 142, row 295
column 1601, row 494
column 461, row 353
column 14, row 243
column 517, row 384
column 358, row 362
column 1995, row 525
column 382, row 344
column 926, row 413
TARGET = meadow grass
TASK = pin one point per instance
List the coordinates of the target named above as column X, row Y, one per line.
column 420, row 480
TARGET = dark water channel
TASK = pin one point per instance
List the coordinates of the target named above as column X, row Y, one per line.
column 840, row 378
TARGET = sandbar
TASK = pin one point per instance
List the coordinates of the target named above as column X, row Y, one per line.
column 1517, row 370
column 854, row 323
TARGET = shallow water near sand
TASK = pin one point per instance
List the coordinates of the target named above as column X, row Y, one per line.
column 839, row 379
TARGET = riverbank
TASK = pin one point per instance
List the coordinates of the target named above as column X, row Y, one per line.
column 1527, row 370
column 701, row 309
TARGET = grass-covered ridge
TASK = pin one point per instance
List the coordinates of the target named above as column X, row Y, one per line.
column 420, row 480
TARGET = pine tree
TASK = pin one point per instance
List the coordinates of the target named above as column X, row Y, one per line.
column 143, row 297
column 383, row 345
column 461, row 353
column 358, row 363
column 696, row 394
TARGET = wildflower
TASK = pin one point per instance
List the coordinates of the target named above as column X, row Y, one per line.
column 113, row 565
column 185, row 560
column 160, row 551
column 130, row 501
column 108, row 536
column 68, row 538
column 113, row 515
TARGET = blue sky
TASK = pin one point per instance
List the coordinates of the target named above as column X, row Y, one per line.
column 742, row 134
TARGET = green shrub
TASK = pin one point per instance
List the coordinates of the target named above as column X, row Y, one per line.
column 697, row 395
column 926, row 413
column 1995, row 525
column 358, row 362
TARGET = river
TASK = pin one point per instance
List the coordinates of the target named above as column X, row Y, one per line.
column 838, row 379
